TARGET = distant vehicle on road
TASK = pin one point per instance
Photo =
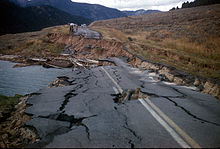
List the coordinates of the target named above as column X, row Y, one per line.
column 73, row 27
column 83, row 25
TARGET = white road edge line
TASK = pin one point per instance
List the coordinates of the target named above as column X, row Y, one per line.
column 162, row 116
column 172, row 132
column 120, row 89
column 184, row 135
column 115, row 90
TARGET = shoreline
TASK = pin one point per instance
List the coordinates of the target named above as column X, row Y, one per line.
column 59, row 61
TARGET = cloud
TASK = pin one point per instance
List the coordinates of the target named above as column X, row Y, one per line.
column 163, row 5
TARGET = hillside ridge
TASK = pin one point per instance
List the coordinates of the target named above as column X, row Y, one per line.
column 140, row 12
column 90, row 11
column 33, row 18
column 187, row 39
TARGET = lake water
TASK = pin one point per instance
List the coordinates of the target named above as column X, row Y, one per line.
column 26, row 80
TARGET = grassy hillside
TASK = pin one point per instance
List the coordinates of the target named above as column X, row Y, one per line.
column 139, row 12
column 33, row 44
column 187, row 39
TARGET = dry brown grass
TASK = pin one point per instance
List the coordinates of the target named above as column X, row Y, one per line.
column 188, row 39
column 32, row 44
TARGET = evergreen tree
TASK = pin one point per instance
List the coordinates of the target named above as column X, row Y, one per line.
column 199, row 3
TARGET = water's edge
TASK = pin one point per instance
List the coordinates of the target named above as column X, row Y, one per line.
column 26, row 80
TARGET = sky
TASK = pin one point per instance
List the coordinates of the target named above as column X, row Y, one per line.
column 163, row 5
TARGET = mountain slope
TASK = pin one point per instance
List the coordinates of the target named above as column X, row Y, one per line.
column 16, row 19
column 139, row 12
column 91, row 11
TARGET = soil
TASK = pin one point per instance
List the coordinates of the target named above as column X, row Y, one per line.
column 83, row 48
column 97, row 49
column 89, row 48
column 13, row 131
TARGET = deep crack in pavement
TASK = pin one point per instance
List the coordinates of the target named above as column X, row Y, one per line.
column 189, row 113
column 90, row 111
column 67, row 97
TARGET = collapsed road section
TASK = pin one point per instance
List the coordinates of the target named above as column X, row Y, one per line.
column 103, row 107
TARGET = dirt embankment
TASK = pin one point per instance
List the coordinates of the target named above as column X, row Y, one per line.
column 13, row 131
column 186, row 39
column 89, row 48
column 79, row 48
column 96, row 49
column 168, row 73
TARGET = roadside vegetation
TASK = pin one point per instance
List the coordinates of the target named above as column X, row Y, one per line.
column 7, row 103
column 34, row 44
column 13, row 131
column 187, row 39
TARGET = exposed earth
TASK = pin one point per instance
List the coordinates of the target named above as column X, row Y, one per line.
column 111, row 99
column 87, row 48
column 111, row 106
column 14, row 133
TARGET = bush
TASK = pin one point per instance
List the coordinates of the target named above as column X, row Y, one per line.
column 8, row 102
column 130, row 39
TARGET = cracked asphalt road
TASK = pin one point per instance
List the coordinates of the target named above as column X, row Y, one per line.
column 87, row 33
column 85, row 114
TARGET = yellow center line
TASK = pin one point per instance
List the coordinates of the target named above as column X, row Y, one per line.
column 174, row 125
column 183, row 134
column 166, row 126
